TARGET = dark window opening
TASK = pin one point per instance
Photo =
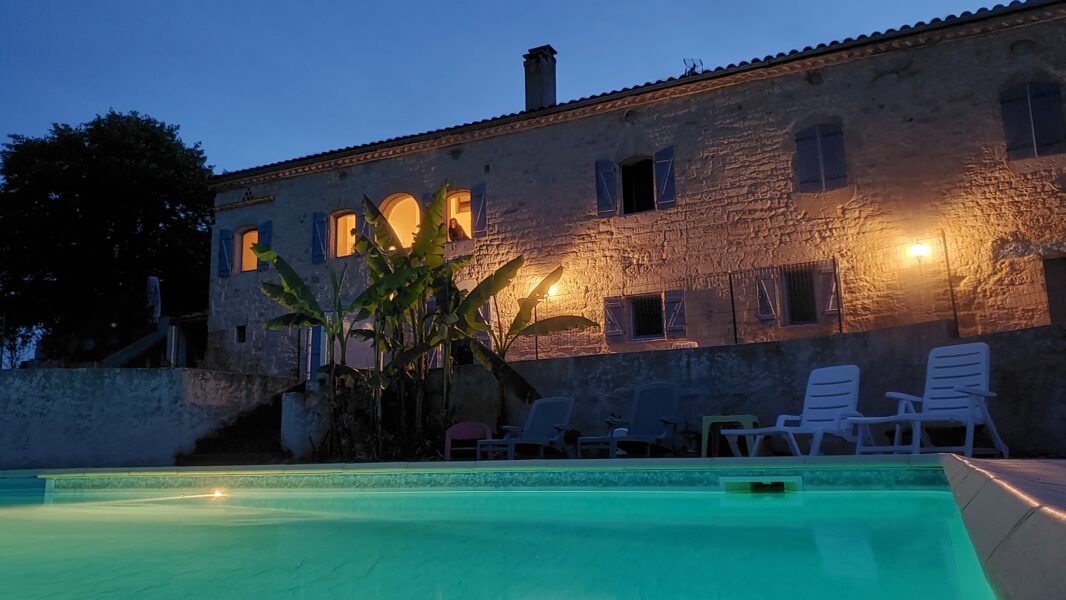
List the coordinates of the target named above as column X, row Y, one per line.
column 647, row 316
column 638, row 186
column 1033, row 121
column 799, row 287
column 242, row 333
column 1055, row 282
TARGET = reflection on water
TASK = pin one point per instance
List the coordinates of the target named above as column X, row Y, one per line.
column 490, row 544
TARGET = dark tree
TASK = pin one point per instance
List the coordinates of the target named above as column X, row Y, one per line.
column 87, row 213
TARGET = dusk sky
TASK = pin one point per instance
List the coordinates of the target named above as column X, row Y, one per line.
column 259, row 82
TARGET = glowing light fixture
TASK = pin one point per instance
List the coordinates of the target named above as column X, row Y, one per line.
column 217, row 494
column 919, row 251
column 553, row 290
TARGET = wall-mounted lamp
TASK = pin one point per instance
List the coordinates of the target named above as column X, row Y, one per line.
column 919, row 251
column 553, row 290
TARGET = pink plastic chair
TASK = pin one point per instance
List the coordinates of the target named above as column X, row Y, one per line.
column 465, row 430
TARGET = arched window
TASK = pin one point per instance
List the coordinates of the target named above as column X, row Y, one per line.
column 247, row 258
column 1032, row 120
column 344, row 224
column 459, row 210
column 403, row 214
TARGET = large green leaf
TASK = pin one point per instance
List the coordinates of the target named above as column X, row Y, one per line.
column 557, row 324
column 277, row 292
column 293, row 285
column 527, row 304
column 295, row 319
column 428, row 247
column 510, row 379
column 489, row 287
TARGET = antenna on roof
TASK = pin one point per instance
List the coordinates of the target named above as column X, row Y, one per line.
column 693, row 66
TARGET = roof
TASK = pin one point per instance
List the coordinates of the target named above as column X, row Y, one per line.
column 253, row 174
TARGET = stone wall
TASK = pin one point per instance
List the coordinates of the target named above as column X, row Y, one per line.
column 926, row 162
column 768, row 379
column 59, row 418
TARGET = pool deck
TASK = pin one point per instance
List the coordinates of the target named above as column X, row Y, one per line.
column 1015, row 512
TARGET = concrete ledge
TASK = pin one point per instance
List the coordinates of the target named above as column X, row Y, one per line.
column 1015, row 512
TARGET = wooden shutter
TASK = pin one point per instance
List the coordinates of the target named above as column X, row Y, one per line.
column 225, row 252
column 614, row 319
column 674, row 309
column 1017, row 126
column 1046, row 108
column 766, row 289
column 606, row 186
column 478, row 211
column 807, row 164
column 828, row 292
column 664, row 178
column 434, row 353
column 485, row 310
column 319, row 237
column 265, row 235
column 831, row 143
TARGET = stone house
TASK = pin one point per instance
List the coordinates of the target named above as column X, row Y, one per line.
column 899, row 177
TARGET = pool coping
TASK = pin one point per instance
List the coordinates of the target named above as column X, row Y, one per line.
column 1015, row 513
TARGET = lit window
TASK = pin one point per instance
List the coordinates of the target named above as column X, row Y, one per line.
column 638, row 185
column 647, row 316
column 459, row 215
column 344, row 234
column 1032, row 120
column 249, row 261
column 404, row 216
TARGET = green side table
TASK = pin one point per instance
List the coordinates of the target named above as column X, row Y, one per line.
column 709, row 422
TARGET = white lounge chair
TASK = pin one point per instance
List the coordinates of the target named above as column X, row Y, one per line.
column 956, row 392
column 546, row 427
column 831, row 398
column 654, row 418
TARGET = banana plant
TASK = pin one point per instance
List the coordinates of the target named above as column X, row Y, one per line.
column 493, row 357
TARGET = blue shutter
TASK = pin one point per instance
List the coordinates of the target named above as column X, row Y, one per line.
column 319, row 237
column 1047, row 118
column 807, row 164
column 606, row 183
column 265, row 235
column 485, row 310
column 831, row 142
column 1017, row 126
column 614, row 319
column 225, row 252
column 315, row 355
column 675, row 313
column 478, row 209
column 664, row 178
column 766, row 289
column 434, row 353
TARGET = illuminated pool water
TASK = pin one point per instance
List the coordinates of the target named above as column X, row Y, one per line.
column 484, row 542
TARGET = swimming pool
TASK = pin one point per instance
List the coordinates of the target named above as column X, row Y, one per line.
column 637, row 531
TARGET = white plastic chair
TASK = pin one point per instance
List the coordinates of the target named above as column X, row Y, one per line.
column 653, row 419
column 956, row 392
column 832, row 397
column 546, row 427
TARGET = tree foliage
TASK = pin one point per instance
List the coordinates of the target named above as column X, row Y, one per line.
column 87, row 213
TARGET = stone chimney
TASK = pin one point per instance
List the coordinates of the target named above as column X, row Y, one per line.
column 540, row 77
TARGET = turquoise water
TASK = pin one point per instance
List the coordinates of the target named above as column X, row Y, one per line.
column 519, row 543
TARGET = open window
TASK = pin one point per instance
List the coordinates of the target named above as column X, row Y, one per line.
column 344, row 224
column 638, row 185
column 459, row 215
column 404, row 216
column 647, row 184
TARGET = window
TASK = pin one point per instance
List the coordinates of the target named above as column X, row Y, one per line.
column 404, row 215
column 1055, row 282
column 647, row 184
column 819, row 162
column 1032, row 120
column 799, row 295
column 344, row 224
column 638, row 185
column 242, row 333
column 647, row 314
column 247, row 258
column 459, row 211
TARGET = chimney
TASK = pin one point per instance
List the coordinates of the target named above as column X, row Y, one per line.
column 540, row 77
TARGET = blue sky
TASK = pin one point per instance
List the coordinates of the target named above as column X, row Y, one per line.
column 257, row 82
